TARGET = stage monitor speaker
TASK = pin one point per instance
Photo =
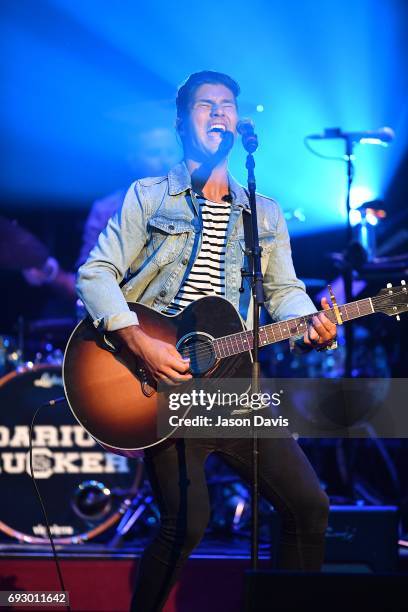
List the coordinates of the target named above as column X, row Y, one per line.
column 361, row 537
column 270, row 591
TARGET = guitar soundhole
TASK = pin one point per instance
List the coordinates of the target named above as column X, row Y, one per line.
column 198, row 347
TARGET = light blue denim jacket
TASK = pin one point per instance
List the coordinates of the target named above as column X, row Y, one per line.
column 150, row 244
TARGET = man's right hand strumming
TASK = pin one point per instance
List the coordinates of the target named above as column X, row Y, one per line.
column 161, row 358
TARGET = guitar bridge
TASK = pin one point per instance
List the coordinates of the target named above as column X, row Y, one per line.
column 147, row 389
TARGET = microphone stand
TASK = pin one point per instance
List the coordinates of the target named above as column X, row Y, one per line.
column 253, row 252
column 381, row 136
column 348, row 269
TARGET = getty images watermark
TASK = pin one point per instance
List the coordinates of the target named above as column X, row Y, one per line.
column 320, row 408
column 226, row 408
column 237, row 404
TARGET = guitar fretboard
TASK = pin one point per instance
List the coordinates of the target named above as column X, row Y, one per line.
column 276, row 332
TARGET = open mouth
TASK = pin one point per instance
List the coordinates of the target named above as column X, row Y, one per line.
column 217, row 128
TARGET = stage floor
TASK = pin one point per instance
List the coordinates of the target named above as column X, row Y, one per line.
column 100, row 578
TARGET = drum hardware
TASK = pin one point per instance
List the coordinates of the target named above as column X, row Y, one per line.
column 133, row 508
column 10, row 355
column 231, row 509
column 92, row 500
column 55, row 331
column 34, row 345
column 65, row 459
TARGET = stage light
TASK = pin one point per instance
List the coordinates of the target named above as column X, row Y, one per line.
column 299, row 214
column 371, row 219
column 374, row 141
column 355, row 217
column 360, row 194
column 260, row 108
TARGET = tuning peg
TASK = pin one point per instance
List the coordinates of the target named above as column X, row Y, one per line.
column 398, row 318
column 389, row 285
column 403, row 283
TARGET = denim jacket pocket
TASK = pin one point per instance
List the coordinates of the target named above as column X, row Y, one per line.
column 168, row 237
column 266, row 241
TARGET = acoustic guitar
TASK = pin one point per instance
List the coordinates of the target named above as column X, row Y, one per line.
column 113, row 395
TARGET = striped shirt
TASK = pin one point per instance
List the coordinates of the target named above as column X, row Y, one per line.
column 207, row 275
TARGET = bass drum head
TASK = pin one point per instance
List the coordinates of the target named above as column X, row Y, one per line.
column 83, row 487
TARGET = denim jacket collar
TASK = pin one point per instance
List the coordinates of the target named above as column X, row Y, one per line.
column 179, row 180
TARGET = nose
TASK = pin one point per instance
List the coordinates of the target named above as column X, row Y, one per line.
column 217, row 110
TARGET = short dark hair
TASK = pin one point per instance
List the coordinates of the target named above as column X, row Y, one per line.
column 194, row 81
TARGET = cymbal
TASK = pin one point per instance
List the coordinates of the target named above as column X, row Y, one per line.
column 19, row 248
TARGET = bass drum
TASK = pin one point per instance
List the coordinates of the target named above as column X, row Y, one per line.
column 85, row 489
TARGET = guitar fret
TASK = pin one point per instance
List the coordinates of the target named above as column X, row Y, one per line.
column 282, row 330
column 247, row 340
column 294, row 330
column 302, row 324
column 240, row 342
column 219, row 347
column 225, row 347
column 262, row 337
column 271, row 333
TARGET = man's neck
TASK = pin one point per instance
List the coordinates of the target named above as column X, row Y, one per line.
column 209, row 181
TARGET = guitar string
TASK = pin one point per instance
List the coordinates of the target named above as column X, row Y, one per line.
column 209, row 350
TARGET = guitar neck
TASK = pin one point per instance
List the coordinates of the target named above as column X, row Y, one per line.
column 283, row 330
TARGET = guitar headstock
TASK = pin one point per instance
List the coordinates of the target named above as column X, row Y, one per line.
column 392, row 300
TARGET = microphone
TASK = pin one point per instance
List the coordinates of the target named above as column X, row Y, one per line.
column 383, row 135
column 246, row 127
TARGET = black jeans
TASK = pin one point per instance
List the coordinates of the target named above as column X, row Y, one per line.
column 176, row 473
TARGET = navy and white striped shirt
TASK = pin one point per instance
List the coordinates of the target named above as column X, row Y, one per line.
column 207, row 275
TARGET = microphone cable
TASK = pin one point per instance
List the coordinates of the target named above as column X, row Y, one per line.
column 54, row 551
column 329, row 157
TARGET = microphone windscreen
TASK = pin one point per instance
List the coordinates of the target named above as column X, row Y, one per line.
column 245, row 126
column 387, row 134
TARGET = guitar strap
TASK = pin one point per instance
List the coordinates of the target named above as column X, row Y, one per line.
column 245, row 295
column 247, row 222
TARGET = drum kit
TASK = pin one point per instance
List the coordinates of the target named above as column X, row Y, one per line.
column 89, row 494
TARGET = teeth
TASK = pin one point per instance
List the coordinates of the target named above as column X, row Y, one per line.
column 217, row 127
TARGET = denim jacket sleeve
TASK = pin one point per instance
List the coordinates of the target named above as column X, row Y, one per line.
column 285, row 294
column 99, row 277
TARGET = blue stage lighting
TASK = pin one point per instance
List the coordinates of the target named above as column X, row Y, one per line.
column 82, row 76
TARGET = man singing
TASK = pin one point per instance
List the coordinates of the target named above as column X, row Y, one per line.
column 175, row 239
